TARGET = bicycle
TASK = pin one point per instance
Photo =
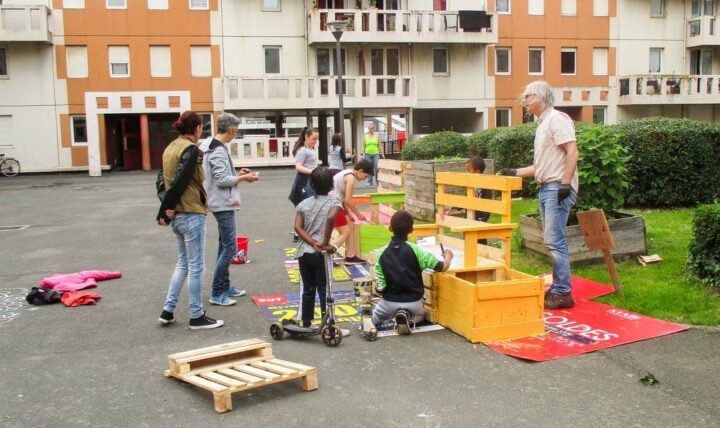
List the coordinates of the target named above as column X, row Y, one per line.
column 9, row 167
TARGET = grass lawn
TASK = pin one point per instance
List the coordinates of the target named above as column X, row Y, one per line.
column 662, row 290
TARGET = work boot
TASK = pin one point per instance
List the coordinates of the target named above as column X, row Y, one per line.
column 559, row 301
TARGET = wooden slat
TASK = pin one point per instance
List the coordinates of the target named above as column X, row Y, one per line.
column 386, row 197
column 226, row 364
column 392, row 164
column 475, row 204
column 274, row 368
column 219, row 350
column 390, row 179
column 222, row 380
column 249, row 379
column 296, row 366
column 257, row 372
column 204, row 383
column 483, row 181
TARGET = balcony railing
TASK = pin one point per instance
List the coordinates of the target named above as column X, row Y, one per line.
column 24, row 24
column 681, row 89
column 403, row 26
column 703, row 31
column 318, row 92
column 581, row 96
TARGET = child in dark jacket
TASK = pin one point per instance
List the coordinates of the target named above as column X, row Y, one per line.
column 399, row 275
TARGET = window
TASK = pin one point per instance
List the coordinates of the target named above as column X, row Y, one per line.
column 116, row 4
column 599, row 115
column 271, row 5
column 535, row 60
column 160, row 62
column 600, row 62
column 272, row 59
column 536, row 7
column 157, row 4
column 199, row 4
column 502, row 117
column 323, row 62
column 200, row 61
column 567, row 61
column 3, row 63
column 73, row 4
column 440, row 61
column 709, row 9
column 207, row 129
column 119, row 61
column 655, row 60
column 342, row 61
column 527, row 116
column 78, row 131
column 696, row 8
column 502, row 60
column 77, row 62
column 657, row 8
column 568, row 7
column 600, row 7
column 502, row 6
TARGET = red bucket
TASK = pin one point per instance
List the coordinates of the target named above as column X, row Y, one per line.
column 242, row 251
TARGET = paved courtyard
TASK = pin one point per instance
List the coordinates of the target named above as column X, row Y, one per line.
column 102, row 365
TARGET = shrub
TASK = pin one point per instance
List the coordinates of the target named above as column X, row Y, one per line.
column 704, row 249
column 601, row 168
column 439, row 144
column 674, row 162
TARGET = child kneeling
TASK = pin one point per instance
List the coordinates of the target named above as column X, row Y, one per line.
column 399, row 276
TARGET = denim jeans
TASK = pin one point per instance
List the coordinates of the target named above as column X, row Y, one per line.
column 374, row 160
column 227, row 249
column 554, row 219
column 189, row 230
column 312, row 272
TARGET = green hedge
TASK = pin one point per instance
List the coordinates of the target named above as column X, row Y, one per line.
column 704, row 250
column 673, row 162
column 439, row 144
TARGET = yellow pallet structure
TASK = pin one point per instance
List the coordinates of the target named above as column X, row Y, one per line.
column 236, row 366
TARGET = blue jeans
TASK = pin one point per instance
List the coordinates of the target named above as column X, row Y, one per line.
column 374, row 159
column 227, row 249
column 189, row 230
column 554, row 219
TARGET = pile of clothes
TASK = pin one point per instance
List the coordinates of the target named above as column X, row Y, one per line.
column 66, row 288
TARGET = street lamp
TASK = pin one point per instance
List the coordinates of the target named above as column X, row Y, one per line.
column 338, row 28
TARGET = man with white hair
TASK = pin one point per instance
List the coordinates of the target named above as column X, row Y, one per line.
column 555, row 169
column 221, row 185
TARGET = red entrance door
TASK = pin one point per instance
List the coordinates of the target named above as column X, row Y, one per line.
column 130, row 139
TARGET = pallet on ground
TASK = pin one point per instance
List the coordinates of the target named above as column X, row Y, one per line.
column 236, row 366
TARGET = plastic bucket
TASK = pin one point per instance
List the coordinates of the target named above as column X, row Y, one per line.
column 242, row 251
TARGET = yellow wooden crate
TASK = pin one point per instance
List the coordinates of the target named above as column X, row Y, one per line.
column 494, row 303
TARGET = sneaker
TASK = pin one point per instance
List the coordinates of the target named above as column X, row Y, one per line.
column 204, row 322
column 222, row 300
column 234, row 292
column 559, row 301
column 402, row 322
column 354, row 260
column 166, row 317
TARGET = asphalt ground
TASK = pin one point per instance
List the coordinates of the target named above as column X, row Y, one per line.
column 102, row 365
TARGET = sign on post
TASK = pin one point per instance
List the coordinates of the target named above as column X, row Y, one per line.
column 596, row 231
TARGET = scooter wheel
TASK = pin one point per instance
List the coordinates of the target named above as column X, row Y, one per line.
column 277, row 331
column 290, row 321
column 371, row 335
column 331, row 335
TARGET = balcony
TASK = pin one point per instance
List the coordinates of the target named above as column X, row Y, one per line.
column 318, row 92
column 702, row 31
column 402, row 26
column 581, row 96
column 24, row 24
column 675, row 89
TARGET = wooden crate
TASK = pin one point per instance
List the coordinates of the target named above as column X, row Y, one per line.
column 391, row 175
column 430, row 298
column 420, row 186
column 486, row 304
column 234, row 367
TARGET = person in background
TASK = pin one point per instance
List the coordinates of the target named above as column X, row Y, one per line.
column 476, row 165
column 555, row 169
column 336, row 155
column 221, row 186
column 343, row 188
column 184, row 206
column 371, row 149
column 305, row 161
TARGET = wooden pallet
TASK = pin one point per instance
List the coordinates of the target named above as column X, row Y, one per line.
column 236, row 366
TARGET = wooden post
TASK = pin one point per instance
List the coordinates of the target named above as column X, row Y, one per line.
column 596, row 232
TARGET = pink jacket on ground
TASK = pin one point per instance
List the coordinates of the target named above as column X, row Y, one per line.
column 77, row 281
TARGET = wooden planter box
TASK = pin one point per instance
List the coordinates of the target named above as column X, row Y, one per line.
column 628, row 232
column 487, row 304
column 420, row 185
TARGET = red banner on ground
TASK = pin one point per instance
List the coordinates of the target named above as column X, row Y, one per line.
column 587, row 327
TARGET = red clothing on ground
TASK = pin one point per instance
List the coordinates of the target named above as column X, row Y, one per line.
column 77, row 298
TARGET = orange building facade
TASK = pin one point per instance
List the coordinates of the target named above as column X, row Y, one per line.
column 564, row 43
